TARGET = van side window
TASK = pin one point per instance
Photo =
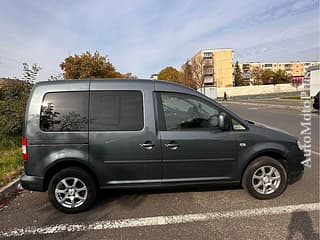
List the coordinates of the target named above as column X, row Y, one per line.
column 236, row 126
column 64, row 111
column 116, row 111
column 185, row 112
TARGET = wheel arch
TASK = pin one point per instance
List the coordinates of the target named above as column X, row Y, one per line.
column 273, row 153
column 62, row 164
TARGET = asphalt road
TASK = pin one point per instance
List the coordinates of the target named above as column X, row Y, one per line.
column 274, row 101
column 201, row 213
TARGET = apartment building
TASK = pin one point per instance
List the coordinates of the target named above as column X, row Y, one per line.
column 214, row 66
column 293, row 69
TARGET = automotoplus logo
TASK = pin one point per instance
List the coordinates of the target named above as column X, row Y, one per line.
column 306, row 123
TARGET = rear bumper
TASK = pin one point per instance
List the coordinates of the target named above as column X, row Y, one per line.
column 33, row 183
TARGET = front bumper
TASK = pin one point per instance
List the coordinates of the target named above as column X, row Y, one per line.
column 33, row 183
column 295, row 166
column 295, row 177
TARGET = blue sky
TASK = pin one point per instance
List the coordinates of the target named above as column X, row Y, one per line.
column 143, row 36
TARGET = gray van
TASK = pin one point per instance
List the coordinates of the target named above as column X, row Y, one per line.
column 84, row 135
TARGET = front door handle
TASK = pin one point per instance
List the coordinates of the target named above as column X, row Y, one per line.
column 172, row 146
column 147, row 145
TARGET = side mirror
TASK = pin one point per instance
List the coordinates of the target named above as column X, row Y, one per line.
column 222, row 117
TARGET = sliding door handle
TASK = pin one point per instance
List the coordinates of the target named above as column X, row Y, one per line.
column 172, row 146
column 147, row 145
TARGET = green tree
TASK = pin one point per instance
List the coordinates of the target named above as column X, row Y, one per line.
column 281, row 77
column 13, row 99
column 169, row 74
column 56, row 77
column 30, row 72
column 88, row 65
column 268, row 77
column 129, row 75
column 238, row 78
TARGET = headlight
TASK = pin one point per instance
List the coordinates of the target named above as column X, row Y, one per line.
column 299, row 145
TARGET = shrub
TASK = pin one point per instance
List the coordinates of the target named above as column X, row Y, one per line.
column 13, row 99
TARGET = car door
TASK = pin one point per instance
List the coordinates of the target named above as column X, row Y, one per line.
column 124, row 148
column 194, row 148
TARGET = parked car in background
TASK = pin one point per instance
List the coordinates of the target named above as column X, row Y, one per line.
column 316, row 101
column 81, row 136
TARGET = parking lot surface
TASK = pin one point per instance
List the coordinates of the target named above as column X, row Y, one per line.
column 189, row 213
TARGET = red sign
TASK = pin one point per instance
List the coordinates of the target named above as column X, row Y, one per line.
column 298, row 79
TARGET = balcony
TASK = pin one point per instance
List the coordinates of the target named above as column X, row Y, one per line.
column 208, row 80
column 207, row 62
column 245, row 67
column 208, row 71
column 246, row 75
column 288, row 67
column 207, row 55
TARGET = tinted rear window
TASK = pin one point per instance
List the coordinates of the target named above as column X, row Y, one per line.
column 64, row 111
column 116, row 111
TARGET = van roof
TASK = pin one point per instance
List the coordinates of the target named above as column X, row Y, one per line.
column 158, row 83
column 85, row 81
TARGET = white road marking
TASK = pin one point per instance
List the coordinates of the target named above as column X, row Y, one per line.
column 159, row 220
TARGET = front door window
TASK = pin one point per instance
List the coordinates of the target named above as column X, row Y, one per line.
column 186, row 112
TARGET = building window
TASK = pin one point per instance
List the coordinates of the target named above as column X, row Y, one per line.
column 207, row 62
column 208, row 71
column 207, row 54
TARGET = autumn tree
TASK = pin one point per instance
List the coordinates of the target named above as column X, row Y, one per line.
column 238, row 78
column 256, row 74
column 186, row 75
column 88, row 65
column 197, row 71
column 169, row 74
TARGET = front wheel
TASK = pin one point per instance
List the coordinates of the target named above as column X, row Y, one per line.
column 265, row 178
column 72, row 190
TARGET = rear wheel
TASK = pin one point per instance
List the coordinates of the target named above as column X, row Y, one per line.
column 72, row 190
column 265, row 178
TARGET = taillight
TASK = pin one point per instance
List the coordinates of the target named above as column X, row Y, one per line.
column 24, row 149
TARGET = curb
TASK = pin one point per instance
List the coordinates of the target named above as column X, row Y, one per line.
column 9, row 189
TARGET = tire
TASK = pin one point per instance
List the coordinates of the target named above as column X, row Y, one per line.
column 265, row 178
column 72, row 190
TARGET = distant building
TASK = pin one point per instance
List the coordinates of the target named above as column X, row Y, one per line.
column 154, row 76
column 293, row 69
column 215, row 66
